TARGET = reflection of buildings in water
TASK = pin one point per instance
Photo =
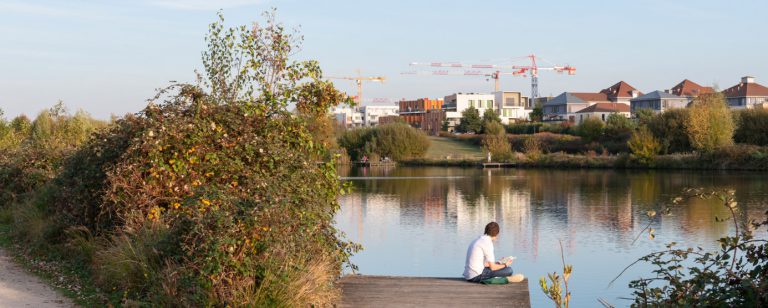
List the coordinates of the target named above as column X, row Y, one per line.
column 510, row 208
column 374, row 211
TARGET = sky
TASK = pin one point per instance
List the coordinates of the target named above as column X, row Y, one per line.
column 109, row 57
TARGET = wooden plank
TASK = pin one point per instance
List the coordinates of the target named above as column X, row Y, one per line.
column 393, row 291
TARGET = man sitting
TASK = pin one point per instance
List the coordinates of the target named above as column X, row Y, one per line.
column 481, row 263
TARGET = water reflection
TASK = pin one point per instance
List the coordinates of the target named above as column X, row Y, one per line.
column 418, row 221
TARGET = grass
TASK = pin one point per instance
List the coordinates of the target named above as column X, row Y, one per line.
column 441, row 148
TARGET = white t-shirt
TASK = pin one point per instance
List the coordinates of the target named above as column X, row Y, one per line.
column 479, row 252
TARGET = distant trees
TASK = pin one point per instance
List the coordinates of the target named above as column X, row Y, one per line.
column 752, row 127
column 669, row 128
column 470, row 121
column 710, row 124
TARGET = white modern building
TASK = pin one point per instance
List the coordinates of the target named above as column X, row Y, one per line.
column 371, row 114
column 363, row 115
column 348, row 117
column 456, row 103
column 511, row 106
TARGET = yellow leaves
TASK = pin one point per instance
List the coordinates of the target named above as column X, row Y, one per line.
column 176, row 205
column 233, row 184
column 208, row 174
column 204, row 201
column 154, row 213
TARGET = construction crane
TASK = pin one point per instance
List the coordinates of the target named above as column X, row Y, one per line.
column 532, row 69
column 359, row 81
column 492, row 75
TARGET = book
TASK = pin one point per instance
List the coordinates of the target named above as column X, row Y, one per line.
column 507, row 259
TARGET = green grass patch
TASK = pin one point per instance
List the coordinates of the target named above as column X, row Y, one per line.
column 447, row 148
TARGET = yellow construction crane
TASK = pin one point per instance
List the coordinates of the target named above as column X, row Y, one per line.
column 359, row 81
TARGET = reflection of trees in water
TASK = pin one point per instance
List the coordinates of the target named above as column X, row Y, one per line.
column 612, row 200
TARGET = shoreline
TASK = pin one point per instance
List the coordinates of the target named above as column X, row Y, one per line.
column 689, row 161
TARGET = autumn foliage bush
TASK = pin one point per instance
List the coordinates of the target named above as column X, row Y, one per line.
column 215, row 194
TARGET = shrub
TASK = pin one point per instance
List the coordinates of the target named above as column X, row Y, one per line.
column 217, row 195
column 710, row 124
column 470, row 121
column 644, row 146
column 524, row 128
column 734, row 276
column 532, row 148
column 395, row 140
column 495, row 142
column 669, row 128
column 753, row 126
column 618, row 128
column 591, row 129
column 400, row 141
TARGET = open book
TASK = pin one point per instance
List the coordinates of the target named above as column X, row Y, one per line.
column 507, row 259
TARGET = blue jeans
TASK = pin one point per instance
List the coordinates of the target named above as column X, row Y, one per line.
column 488, row 273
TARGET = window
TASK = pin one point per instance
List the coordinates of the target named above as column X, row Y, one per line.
column 471, row 103
column 603, row 117
column 510, row 101
column 489, row 104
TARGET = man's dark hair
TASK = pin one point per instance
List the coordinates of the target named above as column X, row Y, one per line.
column 492, row 229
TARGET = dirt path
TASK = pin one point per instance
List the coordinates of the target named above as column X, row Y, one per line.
column 19, row 288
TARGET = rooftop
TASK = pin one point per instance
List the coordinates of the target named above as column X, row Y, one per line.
column 690, row 88
column 656, row 95
column 745, row 89
column 620, row 89
column 606, row 107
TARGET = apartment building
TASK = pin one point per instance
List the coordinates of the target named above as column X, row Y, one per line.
column 456, row 103
column 659, row 101
column 414, row 111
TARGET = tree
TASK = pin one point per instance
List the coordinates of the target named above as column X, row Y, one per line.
column 669, row 128
column 491, row 116
column 495, row 141
column 753, row 126
column 591, row 129
column 644, row 146
column 710, row 124
column 644, row 115
column 618, row 127
column 537, row 114
column 470, row 121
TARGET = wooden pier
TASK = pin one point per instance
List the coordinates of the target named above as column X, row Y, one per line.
column 388, row 291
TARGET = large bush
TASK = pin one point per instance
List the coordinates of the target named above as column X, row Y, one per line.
column 644, row 146
column 710, row 124
column 669, row 128
column 216, row 194
column 752, row 127
column 591, row 129
column 397, row 141
column 495, row 142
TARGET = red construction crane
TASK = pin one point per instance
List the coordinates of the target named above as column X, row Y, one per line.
column 532, row 69
column 359, row 81
column 492, row 75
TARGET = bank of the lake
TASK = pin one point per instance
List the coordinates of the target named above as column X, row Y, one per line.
column 730, row 158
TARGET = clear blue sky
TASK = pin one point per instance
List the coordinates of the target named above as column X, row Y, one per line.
column 109, row 56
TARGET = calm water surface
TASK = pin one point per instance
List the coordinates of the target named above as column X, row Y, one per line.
column 418, row 221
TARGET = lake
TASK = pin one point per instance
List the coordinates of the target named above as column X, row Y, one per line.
column 418, row 221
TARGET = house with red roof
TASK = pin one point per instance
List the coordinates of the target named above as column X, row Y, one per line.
column 690, row 89
column 565, row 107
column 602, row 111
column 747, row 94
